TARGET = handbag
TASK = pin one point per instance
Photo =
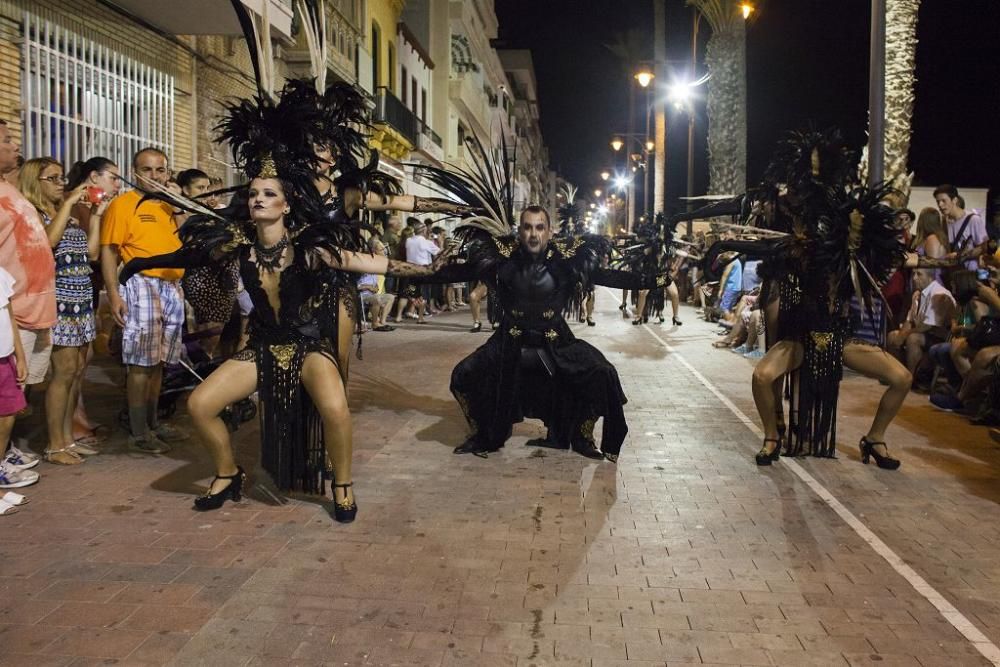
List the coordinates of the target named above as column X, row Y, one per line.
column 986, row 333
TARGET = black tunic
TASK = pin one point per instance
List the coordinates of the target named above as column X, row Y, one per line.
column 533, row 365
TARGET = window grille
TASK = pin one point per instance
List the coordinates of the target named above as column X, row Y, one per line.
column 82, row 99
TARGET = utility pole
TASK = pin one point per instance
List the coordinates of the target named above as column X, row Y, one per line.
column 659, row 107
column 628, row 173
column 876, row 95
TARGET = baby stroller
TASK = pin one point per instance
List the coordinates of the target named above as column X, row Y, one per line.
column 181, row 378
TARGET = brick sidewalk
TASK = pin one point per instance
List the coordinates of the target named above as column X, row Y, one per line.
column 685, row 552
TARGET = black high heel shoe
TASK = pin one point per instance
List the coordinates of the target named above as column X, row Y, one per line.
column 676, row 321
column 868, row 450
column 476, row 327
column 766, row 458
column 637, row 321
column 660, row 319
column 344, row 511
column 591, row 323
column 213, row 501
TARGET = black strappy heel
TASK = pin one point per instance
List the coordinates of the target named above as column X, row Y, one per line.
column 344, row 511
column 213, row 501
column 766, row 458
column 868, row 450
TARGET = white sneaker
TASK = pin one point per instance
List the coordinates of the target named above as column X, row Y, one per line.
column 20, row 460
column 12, row 478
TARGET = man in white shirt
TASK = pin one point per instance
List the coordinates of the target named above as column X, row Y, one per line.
column 927, row 322
column 965, row 230
column 420, row 250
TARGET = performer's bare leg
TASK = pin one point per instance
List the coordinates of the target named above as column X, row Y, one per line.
column 346, row 326
column 476, row 297
column 876, row 363
column 640, row 306
column 232, row 381
column 589, row 307
column 675, row 302
column 783, row 357
column 323, row 382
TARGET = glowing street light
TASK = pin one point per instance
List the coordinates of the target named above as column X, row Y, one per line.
column 644, row 77
column 603, row 210
column 650, row 146
column 616, row 144
column 593, row 205
column 597, row 193
column 621, row 182
column 747, row 10
column 605, row 175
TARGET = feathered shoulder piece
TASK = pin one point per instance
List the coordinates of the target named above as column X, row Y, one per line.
column 858, row 243
column 582, row 255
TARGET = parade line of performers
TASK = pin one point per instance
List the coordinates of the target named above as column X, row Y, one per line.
column 293, row 235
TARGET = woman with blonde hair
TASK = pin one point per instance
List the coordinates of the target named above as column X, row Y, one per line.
column 41, row 182
column 931, row 239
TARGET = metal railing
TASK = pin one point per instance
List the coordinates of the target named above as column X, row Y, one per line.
column 390, row 109
column 81, row 99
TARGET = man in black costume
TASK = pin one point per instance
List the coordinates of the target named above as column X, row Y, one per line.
column 533, row 366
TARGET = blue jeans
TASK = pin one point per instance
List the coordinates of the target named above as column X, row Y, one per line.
column 941, row 354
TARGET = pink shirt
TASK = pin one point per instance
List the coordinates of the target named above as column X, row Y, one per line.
column 26, row 254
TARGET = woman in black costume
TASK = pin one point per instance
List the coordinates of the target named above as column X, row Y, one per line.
column 295, row 257
column 840, row 243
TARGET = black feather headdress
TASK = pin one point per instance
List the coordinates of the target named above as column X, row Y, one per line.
column 812, row 168
column 486, row 185
column 570, row 214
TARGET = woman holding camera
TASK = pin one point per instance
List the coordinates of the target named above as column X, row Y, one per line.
column 42, row 182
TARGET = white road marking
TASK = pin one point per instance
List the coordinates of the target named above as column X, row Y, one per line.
column 987, row 648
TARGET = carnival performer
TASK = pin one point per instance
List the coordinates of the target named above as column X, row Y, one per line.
column 650, row 253
column 840, row 242
column 533, row 365
column 295, row 251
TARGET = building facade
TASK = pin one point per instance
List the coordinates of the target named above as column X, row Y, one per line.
column 80, row 78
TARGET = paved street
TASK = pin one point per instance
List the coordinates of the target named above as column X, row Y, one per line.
column 683, row 553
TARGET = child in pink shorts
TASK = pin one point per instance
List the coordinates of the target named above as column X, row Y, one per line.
column 13, row 372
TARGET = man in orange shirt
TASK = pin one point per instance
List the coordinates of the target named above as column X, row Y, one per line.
column 150, row 307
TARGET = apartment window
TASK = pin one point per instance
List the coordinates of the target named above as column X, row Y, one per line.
column 413, row 96
column 423, row 104
column 403, row 87
column 376, row 49
column 81, row 99
column 392, row 68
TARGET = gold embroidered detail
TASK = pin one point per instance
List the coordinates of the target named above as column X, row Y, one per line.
column 549, row 314
column 822, row 340
column 239, row 238
column 503, row 248
column 661, row 280
column 268, row 169
column 570, row 247
column 515, row 332
column 283, row 354
column 552, row 334
column 587, row 430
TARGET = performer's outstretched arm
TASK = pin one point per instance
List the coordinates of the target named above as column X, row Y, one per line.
column 629, row 280
column 185, row 258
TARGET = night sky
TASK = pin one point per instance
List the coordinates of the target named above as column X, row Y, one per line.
column 807, row 62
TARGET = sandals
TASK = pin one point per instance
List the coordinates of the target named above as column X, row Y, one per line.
column 74, row 457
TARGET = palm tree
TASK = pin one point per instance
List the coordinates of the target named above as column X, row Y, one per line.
column 726, row 58
column 900, row 79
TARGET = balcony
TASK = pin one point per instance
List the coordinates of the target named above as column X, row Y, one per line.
column 429, row 143
column 197, row 17
column 394, row 127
